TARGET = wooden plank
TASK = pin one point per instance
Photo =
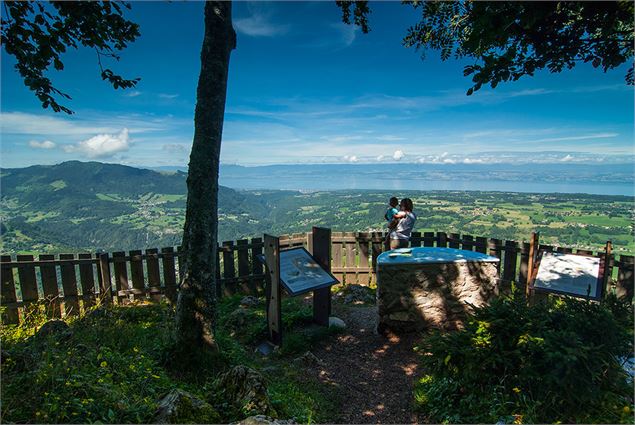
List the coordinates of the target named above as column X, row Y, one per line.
column 180, row 263
column 584, row 252
column 564, row 250
column 376, row 246
column 510, row 261
column 28, row 283
column 494, row 248
column 336, row 246
column 481, row 245
column 428, row 239
column 220, row 286
column 321, row 247
column 154, row 274
column 169, row 273
column 351, row 262
column 50, row 288
column 69, row 284
column 136, row 274
column 229, row 269
column 468, row 242
column 105, row 284
column 364, row 273
column 256, row 249
column 454, row 241
column 10, row 315
column 625, row 276
column 244, row 267
column 273, row 289
column 121, row 275
column 442, row 240
column 415, row 239
column 87, row 281
column 524, row 262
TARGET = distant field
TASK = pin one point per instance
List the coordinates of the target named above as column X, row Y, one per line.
column 43, row 210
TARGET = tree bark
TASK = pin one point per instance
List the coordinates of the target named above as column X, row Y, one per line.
column 196, row 303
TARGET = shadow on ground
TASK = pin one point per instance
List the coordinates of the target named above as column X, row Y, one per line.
column 373, row 374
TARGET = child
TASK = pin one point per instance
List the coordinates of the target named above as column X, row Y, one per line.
column 390, row 212
column 392, row 223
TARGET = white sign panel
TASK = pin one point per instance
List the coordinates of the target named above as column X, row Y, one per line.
column 570, row 274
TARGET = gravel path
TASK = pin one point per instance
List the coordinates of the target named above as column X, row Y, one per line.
column 374, row 374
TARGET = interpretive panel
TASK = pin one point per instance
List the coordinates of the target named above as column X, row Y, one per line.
column 570, row 274
column 301, row 273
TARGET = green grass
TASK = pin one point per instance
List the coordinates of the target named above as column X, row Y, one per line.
column 114, row 368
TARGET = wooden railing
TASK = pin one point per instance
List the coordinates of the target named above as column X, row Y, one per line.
column 71, row 283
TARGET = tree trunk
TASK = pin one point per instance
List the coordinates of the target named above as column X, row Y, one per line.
column 196, row 303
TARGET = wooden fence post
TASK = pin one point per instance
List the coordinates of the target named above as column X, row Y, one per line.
column 321, row 245
column 9, row 298
column 169, row 273
column 534, row 244
column 105, row 285
column 273, row 290
column 69, row 284
column 49, row 285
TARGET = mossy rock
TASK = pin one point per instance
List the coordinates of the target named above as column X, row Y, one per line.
column 181, row 407
column 245, row 389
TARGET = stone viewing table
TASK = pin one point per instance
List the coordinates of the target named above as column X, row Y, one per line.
column 420, row 288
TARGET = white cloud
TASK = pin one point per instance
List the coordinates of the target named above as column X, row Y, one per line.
column 168, row 96
column 350, row 158
column 473, row 161
column 348, row 33
column 102, row 145
column 381, row 158
column 259, row 24
column 134, row 93
column 174, row 148
column 398, row 155
column 567, row 158
column 47, row 144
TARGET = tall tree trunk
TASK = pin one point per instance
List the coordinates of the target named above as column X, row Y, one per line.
column 196, row 304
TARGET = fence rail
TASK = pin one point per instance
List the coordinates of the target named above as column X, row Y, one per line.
column 70, row 283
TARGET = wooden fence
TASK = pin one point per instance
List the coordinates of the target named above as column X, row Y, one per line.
column 70, row 283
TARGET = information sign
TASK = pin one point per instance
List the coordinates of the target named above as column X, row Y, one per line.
column 569, row 274
column 301, row 273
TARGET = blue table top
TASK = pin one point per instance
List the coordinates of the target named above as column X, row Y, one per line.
column 427, row 255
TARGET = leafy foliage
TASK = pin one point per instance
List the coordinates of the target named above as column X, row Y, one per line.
column 550, row 362
column 510, row 39
column 38, row 33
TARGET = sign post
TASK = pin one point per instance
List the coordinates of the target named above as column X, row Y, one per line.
column 273, row 293
column 298, row 272
column 321, row 250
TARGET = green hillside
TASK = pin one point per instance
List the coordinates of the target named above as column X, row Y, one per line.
column 89, row 206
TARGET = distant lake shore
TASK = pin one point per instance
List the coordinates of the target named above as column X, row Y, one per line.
column 326, row 183
column 602, row 179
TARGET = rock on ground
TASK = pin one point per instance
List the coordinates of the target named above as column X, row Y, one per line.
column 245, row 389
column 356, row 294
column 308, row 359
column 180, row 407
column 264, row 420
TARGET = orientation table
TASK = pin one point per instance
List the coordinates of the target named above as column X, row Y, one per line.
column 421, row 288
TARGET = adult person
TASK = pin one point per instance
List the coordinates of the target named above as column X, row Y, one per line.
column 400, row 236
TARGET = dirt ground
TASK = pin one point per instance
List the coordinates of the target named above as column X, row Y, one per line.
column 374, row 374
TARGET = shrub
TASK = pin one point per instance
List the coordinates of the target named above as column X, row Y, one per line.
column 554, row 361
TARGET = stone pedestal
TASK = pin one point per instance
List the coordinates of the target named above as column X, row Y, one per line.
column 432, row 287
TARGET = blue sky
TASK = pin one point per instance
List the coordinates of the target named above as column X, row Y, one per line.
column 305, row 88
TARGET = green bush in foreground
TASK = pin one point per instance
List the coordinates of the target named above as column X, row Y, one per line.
column 557, row 361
